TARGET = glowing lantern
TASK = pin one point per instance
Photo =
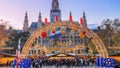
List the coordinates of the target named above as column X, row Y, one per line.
column 73, row 28
column 84, row 32
column 81, row 35
column 62, row 32
column 44, row 34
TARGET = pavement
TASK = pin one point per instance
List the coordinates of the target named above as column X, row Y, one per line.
column 61, row 67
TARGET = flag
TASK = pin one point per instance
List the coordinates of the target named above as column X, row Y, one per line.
column 18, row 59
column 26, row 63
column 56, row 18
column 58, row 33
column 81, row 21
column 51, row 34
column 46, row 21
column 105, row 62
column 70, row 18
column 19, row 47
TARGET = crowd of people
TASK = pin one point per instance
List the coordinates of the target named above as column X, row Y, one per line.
column 117, row 64
column 36, row 63
column 76, row 61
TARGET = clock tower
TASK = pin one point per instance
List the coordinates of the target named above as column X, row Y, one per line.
column 55, row 11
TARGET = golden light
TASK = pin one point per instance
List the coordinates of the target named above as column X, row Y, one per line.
column 62, row 32
column 81, row 35
column 5, row 60
column 53, row 29
column 74, row 28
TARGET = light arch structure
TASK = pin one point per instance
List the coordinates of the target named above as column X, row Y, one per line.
column 101, row 49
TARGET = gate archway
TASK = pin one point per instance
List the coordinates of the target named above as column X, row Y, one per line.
column 89, row 33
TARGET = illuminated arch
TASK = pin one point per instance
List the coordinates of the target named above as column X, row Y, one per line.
column 89, row 33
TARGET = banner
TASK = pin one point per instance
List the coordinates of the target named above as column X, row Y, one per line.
column 105, row 62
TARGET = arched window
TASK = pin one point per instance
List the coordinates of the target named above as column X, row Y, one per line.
column 71, row 37
column 78, row 51
column 38, row 52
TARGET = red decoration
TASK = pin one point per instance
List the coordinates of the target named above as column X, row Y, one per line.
column 84, row 32
column 70, row 18
column 81, row 20
column 46, row 21
column 43, row 34
column 81, row 35
column 53, row 31
column 56, row 18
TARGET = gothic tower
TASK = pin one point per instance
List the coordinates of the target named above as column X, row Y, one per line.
column 84, row 18
column 39, row 21
column 70, row 16
column 70, row 13
column 55, row 11
column 25, row 25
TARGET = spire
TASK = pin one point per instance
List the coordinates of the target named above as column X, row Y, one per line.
column 39, row 15
column 84, row 18
column 70, row 13
column 70, row 17
column 26, row 17
column 25, row 25
column 39, row 20
column 55, row 4
column 55, row 11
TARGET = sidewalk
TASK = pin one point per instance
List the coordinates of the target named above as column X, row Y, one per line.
column 61, row 67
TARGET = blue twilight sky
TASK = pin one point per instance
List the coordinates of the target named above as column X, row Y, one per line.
column 13, row 11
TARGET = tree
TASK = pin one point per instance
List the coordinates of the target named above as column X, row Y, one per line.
column 110, row 32
column 14, row 37
column 116, row 24
column 24, row 36
column 3, row 36
column 107, row 25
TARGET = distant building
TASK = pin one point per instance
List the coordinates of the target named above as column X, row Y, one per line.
column 25, row 25
column 55, row 11
column 84, row 18
column 35, row 25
